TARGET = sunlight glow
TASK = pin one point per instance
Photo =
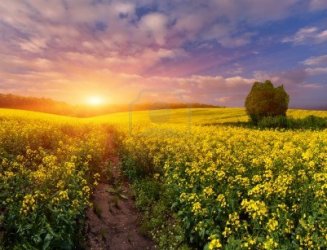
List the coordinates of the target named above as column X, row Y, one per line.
column 95, row 100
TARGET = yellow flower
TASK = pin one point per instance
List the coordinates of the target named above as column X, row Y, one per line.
column 196, row 207
column 215, row 244
column 221, row 199
column 208, row 191
column 75, row 204
column 60, row 184
column 86, row 189
column 96, row 176
column 227, row 231
column 63, row 195
column 28, row 204
column 220, row 175
column 257, row 209
column 270, row 244
column 234, row 220
column 272, row 225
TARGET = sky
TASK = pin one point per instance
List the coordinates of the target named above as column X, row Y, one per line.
column 208, row 51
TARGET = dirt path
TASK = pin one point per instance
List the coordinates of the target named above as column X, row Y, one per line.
column 113, row 223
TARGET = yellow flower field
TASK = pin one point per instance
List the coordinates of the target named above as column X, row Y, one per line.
column 241, row 188
column 47, row 171
column 228, row 187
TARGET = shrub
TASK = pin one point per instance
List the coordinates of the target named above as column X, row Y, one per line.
column 313, row 122
column 274, row 122
column 309, row 122
column 266, row 100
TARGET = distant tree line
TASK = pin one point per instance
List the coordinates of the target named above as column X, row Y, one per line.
column 34, row 104
column 61, row 108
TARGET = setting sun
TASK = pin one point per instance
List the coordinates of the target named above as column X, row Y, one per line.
column 95, row 100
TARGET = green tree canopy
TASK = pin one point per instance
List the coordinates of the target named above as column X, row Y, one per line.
column 266, row 100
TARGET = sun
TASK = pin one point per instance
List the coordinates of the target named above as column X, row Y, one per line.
column 95, row 100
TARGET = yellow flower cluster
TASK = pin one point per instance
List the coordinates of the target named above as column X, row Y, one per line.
column 221, row 199
column 28, row 204
column 196, row 209
column 243, row 185
column 272, row 225
column 256, row 209
column 215, row 244
column 47, row 172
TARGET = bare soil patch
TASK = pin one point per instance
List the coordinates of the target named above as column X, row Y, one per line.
column 113, row 222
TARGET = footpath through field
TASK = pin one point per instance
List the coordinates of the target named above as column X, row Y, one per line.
column 113, row 222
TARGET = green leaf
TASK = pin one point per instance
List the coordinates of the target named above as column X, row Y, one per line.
column 47, row 241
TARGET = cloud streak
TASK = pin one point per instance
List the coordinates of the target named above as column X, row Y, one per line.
column 307, row 35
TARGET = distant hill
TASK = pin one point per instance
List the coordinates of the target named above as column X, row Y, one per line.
column 61, row 108
column 34, row 104
column 321, row 108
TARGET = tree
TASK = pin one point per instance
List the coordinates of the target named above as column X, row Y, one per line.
column 265, row 100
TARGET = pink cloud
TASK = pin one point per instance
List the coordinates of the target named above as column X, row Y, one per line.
column 307, row 35
column 316, row 60
column 318, row 4
column 316, row 71
column 155, row 24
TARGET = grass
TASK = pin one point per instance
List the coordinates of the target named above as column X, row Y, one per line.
column 308, row 122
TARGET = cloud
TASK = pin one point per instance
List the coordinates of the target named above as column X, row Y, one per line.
column 66, row 48
column 322, row 36
column 224, row 99
column 234, row 42
column 34, row 45
column 124, row 8
column 312, row 86
column 317, row 65
column 235, row 70
column 316, row 60
column 307, row 35
column 289, row 77
column 200, row 88
column 254, row 10
column 78, row 74
column 316, row 71
column 155, row 24
column 296, row 84
column 75, row 81
column 186, row 20
column 318, row 4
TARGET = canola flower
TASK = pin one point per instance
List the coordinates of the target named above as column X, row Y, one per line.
column 256, row 209
column 258, row 189
column 232, row 188
column 272, row 225
column 48, row 169
column 214, row 244
column 28, row 204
